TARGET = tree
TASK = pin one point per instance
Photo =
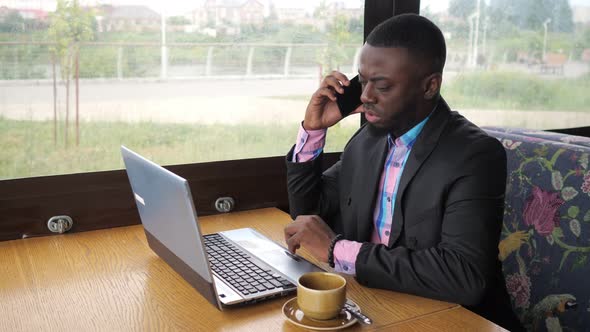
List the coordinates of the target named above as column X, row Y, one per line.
column 271, row 22
column 178, row 20
column 13, row 22
column 562, row 17
column 338, row 35
column 70, row 25
column 462, row 8
column 356, row 28
column 530, row 14
column 321, row 11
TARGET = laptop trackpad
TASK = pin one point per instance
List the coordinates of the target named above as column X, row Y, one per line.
column 271, row 253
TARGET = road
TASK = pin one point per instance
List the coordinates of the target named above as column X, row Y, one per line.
column 207, row 101
column 179, row 101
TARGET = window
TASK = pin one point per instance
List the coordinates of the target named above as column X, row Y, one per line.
column 516, row 63
column 197, row 85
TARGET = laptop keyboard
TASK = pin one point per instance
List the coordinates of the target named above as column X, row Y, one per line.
column 235, row 267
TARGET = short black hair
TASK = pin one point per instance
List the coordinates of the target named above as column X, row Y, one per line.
column 418, row 34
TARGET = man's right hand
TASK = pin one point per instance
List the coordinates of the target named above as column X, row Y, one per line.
column 322, row 111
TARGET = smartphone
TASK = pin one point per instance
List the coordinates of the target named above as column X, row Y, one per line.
column 351, row 98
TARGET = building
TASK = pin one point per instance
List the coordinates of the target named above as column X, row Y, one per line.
column 46, row 5
column 340, row 9
column 127, row 18
column 26, row 13
column 291, row 15
column 217, row 13
column 4, row 12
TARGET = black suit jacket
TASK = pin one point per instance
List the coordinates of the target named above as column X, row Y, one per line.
column 447, row 218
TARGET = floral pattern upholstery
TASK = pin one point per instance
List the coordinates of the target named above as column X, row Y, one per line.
column 545, row 241
column 570, row 139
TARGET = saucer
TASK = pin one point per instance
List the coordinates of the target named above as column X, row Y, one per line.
column 294, row 315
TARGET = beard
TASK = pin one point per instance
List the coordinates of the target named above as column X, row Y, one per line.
column 397, row 123
column 373, row 129
column 377, row 131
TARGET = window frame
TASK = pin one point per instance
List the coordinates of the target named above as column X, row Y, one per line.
column 97, row 200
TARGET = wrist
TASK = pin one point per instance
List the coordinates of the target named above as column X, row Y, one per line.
column 336, row 238
column 305, row 126
column 313, row 124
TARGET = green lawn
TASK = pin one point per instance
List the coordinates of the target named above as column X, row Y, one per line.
column 507, row 90
column 28, row 147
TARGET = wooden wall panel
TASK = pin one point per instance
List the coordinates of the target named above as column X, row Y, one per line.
column 104, row 199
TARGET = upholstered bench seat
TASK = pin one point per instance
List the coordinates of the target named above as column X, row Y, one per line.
column 545, row 241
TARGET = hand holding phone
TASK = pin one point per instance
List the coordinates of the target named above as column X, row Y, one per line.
column 350, row 100
column 336, row 97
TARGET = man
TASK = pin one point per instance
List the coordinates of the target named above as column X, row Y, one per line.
column 415, row 203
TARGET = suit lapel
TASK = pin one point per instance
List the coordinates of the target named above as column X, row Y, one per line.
column 425, row 143
column 369, row 182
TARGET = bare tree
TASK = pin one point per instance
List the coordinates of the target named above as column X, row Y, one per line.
column 53, row 60
column 70, row 26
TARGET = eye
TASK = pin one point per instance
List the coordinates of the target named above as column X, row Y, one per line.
column 383, row 88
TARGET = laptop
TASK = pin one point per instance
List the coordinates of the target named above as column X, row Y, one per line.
column 228, row 268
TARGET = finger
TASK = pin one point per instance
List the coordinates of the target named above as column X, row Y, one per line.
column 327, row 93
column 333, row 83
column 294, row 250
column 290, row 229
column 340, row 77
column 293, row 243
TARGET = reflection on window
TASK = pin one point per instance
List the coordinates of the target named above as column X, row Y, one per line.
column 516, row 63
column 178, row 81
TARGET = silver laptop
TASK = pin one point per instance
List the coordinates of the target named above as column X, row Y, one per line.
column 233, row 267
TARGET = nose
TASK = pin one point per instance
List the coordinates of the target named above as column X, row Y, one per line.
column 367, row 96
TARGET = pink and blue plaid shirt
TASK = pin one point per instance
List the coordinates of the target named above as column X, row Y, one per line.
column 311, row 143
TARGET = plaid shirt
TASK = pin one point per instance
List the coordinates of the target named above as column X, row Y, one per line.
column 311, row 143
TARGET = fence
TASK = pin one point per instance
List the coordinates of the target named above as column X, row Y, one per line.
column 33, row 60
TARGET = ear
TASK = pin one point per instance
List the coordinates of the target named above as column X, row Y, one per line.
column 431, row 85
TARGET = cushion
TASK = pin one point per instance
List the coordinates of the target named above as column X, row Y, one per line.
column 545, row 241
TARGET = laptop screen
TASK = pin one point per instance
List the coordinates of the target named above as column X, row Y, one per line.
column 166, row 209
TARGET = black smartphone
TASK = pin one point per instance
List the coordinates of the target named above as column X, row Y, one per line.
column 351, row 98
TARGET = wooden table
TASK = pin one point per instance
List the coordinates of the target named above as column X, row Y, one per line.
column 110, row 280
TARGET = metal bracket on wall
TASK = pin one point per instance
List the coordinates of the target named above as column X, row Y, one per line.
column 60, row 224
column 224, row 204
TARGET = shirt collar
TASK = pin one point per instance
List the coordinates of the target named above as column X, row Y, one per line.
column 410, row 136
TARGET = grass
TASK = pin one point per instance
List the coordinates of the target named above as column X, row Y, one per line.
column 506, row 90
column 29, row 148
column 510, row 91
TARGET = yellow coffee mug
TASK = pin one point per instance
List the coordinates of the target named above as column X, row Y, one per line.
column 321, row 295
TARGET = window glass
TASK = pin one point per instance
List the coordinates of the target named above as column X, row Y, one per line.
column 178, row 81
column 516, row 63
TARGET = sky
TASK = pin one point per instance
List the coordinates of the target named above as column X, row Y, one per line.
column 180, row 7
column 176, row 7
column 172, row 7
column 442, row 5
